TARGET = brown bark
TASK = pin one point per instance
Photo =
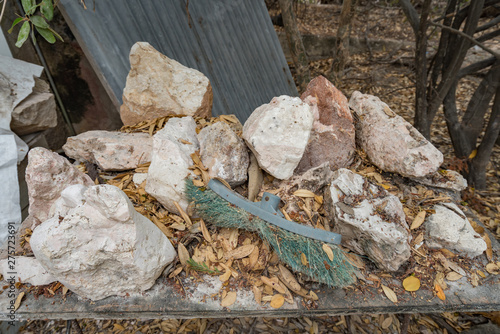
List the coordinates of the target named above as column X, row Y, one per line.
column 297, row 49
column 341, row 53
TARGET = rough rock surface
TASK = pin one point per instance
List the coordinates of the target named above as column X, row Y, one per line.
column 449, row 228
column 407, row 152
column 28, row 270
column 224, row 153
column 110, row 150
column 314, row 179
column 158, row 86
column 102, row 247
column 170, row 159
column 370, row 220
column 36, row 112
column 447, row 179
column 47, row 175
column 332, row 138
column 278, row 133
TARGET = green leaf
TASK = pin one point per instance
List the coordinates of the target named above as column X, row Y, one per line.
column 16, row 21
column 39, row 22
column 47, row 9
column 47, row 34
column 56, row 34
column 29, row 6
column 24, row 32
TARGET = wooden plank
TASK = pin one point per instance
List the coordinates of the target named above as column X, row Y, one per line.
column 164, row 300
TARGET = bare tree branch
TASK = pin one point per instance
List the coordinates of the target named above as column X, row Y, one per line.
column 488, row 36
column 464, row 35
column 475, row 67
column 410, row 13
column 488, row 25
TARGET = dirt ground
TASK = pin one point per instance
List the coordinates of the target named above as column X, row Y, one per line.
column 388, row 75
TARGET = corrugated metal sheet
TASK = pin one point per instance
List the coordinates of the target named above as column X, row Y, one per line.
column 232, row 42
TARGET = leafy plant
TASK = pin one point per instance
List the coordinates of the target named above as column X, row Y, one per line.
column 201, row 267
column 37, row 16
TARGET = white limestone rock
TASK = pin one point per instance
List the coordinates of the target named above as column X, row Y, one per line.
column 450, row 228
column 390, row 142
column 102, row 247
column 446, row 179
column 110, row 150
column 138, row 178
column 278, row 133
column 36, row 112
column 158, row 86
column 370, row 220
column 47, row 175
column 224, row 153
column 71, row 197
column 170, row 159
column 27, row 269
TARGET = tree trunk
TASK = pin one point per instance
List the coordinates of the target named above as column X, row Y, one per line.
column 458, row 139
column 297, row 49
column 422, row 123
column 341, row 53
column 477, row 168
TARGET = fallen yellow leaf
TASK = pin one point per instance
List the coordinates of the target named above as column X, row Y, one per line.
column 453, row 276
column 118, row 327
column 419, row 219
column 489, row 249
column 411, row 283
column 439, row 291
column 304, row 193
column 492, row 268
column 183, row 253
column 390, row 294
column 472, row 154
column 277, row 301
column 303, row 259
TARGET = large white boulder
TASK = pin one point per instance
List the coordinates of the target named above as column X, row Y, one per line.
column 224, row 153
column 159, row 86
column 390, row 142
column 371, row 221
column 170, row 159
column 449, row 228
column 110, row 150
column 47, row 175
column 102, row 247
column 278, row 133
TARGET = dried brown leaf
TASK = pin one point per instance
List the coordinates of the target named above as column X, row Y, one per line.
column 328, row 250
column 240, row 252
column 183, row 254
column 257, row 294
column 19, row 298
column 390, row 294
column 387, row 322
column 272, row 283
column 419, row 220
column 304, row 193
column 288, row 278
column 204, row 231
column 453, row 276
column 229, row 299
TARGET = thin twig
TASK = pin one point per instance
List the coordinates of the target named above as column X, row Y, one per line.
column 3, row 9
column 464, row 35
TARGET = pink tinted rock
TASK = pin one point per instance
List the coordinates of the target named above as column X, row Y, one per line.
column 224, row 153
column 390, row 142
column 332, row 137
column 47, row 175
column 111, row 150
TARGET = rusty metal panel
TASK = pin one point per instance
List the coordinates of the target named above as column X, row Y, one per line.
column 232, row 42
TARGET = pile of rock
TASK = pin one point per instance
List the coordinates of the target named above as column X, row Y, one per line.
column 90, row 235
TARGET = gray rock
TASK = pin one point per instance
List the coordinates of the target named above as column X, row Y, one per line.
column 110, row 150
column 370, row 220
column 450, row 228
column 102, row 247
column 278, row 133
column 391, row 143
column 448, row 179
column 224, row 153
